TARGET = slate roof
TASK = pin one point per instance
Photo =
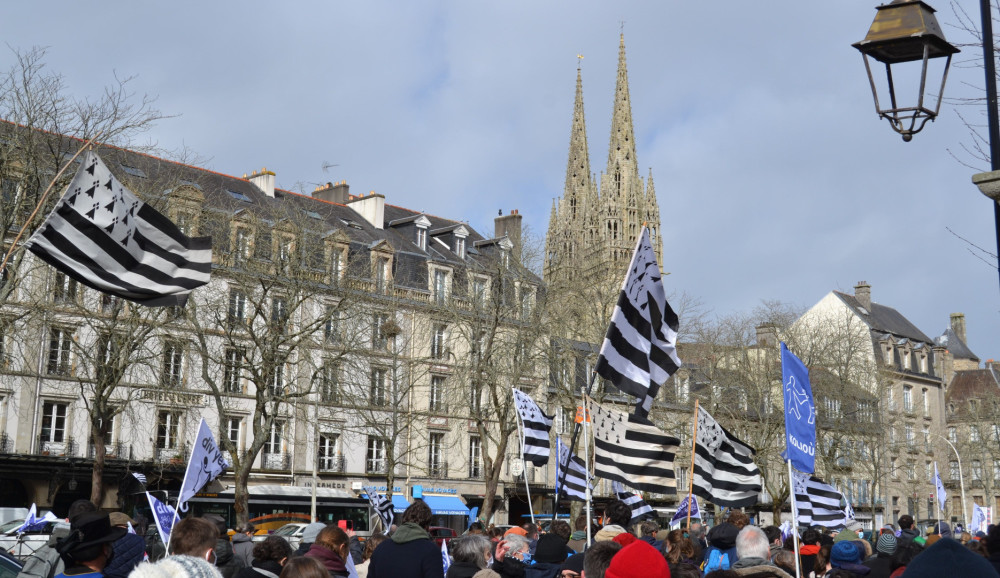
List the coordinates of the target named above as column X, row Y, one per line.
column 885, row 319
column 981, row 384
column 954, row 344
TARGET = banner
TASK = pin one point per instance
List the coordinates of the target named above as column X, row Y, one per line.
column 206, row 463
column 800, row 413
column 163, row 516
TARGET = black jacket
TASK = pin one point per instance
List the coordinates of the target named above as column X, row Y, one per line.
column 409, row 553
column 225, row 559
column 462, row 570
column 270, row 566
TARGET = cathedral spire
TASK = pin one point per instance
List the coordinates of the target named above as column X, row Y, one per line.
column 578, row 166
column 621, row 152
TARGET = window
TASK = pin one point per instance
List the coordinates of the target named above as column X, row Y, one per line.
column 832, row 407
column 375, row 462
column 108, row 354
column 64, row 289
column 329, row 451
column 380, row 327
column 440, row 289
column 564, row 420
column 475, row 457
column 953, row 434
column 274, row 442
column 926, row 402
column 285, row 248
column 185, row 222
column 894, row 468
column 234, row 430
column 279, row 314
column 436, row 402
column 110, row 303
column 237, row 308
column 438, row 348
column 953, row 470
column 927, row 439
column 435, row 453
column 53, row 422
column 173, row 364
column 475, row 398
column 892, row 435
column 977, row 470
column 996, row 470
column 60, row 348
column 167, row 428
column 996, row 433
column 478, row 292
column 422, row 238
column 336, row 265
column 331, row 327
column 241, row 245
column 527, row 298
column 277, row 384
column 460, row 247
column 232, row 366
column 911, row 470
column 329, row 382
column 378, row 387
column 908, row 430
column 908, row 399
column 974, row 435
column 381, row 273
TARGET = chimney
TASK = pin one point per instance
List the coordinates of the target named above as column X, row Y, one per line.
column 333, row 192
column 863, row 293
column 264, row 181
column 509, row 225
column 767, row 335
column 371, row 207
column 958, row 326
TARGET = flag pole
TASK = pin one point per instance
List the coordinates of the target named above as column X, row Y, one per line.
column 694, row 441
column 41, row 201
column 572, row 448
column 586, row 461
column 795, row 519
column 524, row 468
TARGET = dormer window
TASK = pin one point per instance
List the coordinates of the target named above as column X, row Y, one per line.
column 422, row 238
column 460, row 247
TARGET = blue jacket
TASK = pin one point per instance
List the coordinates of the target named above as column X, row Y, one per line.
column 128, row 552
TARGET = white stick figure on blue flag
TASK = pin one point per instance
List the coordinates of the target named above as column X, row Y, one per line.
column 800, row 412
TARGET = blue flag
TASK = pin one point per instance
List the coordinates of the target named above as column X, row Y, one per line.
column 689, row 502
column 800, row 413
column 164, row 517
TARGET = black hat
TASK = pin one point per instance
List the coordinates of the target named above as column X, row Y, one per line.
column 89, row 529
column 551, row 549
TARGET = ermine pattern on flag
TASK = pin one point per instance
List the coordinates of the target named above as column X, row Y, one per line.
column 724, row 470
column 633, row 452
column 639, row 351
column 817, row 502
column 102, row 235
column 382, row 506
column 536, row 428
column 575, row 484
column 140, row 477
column 640, row 509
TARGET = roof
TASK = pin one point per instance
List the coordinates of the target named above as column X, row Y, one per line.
column 885, row 319
column 954, row 344
column 981, row 384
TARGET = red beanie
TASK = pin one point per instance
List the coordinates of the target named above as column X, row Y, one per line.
column 624, row 539
column 638, row 560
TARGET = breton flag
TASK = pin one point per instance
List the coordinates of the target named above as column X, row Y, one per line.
column 640, row 509
column 382, row 506
column 633, row 452
column 575, row 485
column 942, row 495
column 639, row 352
column 102, row 235
column 688, row 503
column 818, row 503
column 724, row 470
column 800, row 413
column 141, row 478
column 205, row 464
column 536, row 426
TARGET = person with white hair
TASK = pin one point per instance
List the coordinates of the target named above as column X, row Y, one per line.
column 472, row 553
column 754, row 552
column 512, row 556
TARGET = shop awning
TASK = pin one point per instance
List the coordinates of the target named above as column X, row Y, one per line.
column 399, row 504
column 446, row 505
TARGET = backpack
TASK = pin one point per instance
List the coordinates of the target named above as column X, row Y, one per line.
column 717, row 560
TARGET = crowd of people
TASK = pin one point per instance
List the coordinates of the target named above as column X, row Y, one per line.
column 94, row 544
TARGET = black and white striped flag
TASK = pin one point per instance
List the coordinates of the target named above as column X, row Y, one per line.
column 640, row 509
column 724, row 470
column 817, row 502
column 639, row 352
column 382, row 506
column 536, row 428
column 633, row 452
column 140, row 477
column 574, row 486
column 102, row 235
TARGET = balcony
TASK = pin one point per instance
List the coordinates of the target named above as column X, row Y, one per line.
column 6, row 444
column 336, row 464
column 438, row 470
column 375, row 466
column 115, row 451
column 176, row 456
column 53, row 448
column 275, row 461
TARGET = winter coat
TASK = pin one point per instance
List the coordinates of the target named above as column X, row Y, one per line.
column 462, row 570
column 880, row 566
column 45, row 561
column 225, row 560
column 127, row 553
column 859, row 570
column 410, row 553
column 243, row 549
column 263, row 569
column 723, row 539
column 542, row 570
column 907, row 535
column 330, row 560
column 509, row 568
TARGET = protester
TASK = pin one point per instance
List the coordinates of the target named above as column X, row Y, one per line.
column 785, row 559
column 128, row 551
column 45, row 562
column 578, row 539
column 647, row 533
column 243, row 544
column 476, row 528
column 511, row 557
column 470, row 554
column 370, row 544
column 617, row 513
column 992, row 543
column 881, row 563
column 192, row 553
column 847, row 554
column 637, row 560
column 773, row 534
column 303, row 567
column 561, row 528
column 332, row 547
column 608, row 532
column 977, row 547
column 738, row 518
column 697, row 534
column 906, row 551
column 753, row 551
column 87, row 548
column 225, row 558
column 722, row 539
column 679, row 550
column 269, row 557
column 309, row 534
column 822, row 563
column 948, row 558
column 410, row 552
column 808, row 549
column 906, row 531
column 573, row 566
column 599, row 557
column 550, row 553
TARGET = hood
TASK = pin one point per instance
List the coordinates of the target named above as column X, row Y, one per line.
column 409, row 532
column 239, row 538
column 330, row 560
column 723, row 536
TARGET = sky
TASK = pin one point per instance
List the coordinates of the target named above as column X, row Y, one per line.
column 775, row 178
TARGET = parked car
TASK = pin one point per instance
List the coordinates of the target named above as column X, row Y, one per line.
column 10, row 566
column 441, row 534
column 291, row 532
column 24, row 544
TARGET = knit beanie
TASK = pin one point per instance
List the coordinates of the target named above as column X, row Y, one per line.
column 886, row 544
column 844, row 552
column 551, row 549
column 311, row 531
column 608, row 532
column 638, row 560
column 176, row 566
column 624, row 539
column 516, row 530
column 574, row 563
column 948, row 557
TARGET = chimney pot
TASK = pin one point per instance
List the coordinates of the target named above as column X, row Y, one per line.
column 863, row 293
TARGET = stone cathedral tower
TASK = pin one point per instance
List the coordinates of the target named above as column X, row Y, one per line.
column 592, row 231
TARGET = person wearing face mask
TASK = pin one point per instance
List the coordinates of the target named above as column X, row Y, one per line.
column 512, row 556
column 192, row 553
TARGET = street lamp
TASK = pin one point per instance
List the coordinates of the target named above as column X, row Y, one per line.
column 961, row 478
column 906, row 31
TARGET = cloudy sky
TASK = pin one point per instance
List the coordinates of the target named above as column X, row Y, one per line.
column 776, row 180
